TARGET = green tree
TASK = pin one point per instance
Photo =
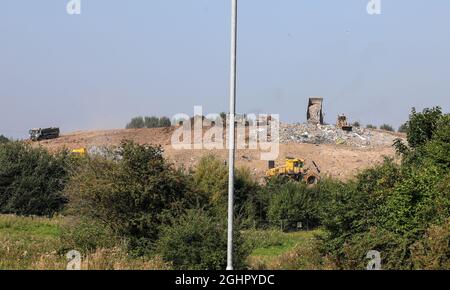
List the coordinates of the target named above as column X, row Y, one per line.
column 294, row 203
column 387, row 127
column 31, row 180
column 197, row 241
column 151, row 122
column 164, row 122
column 421, row 126
column 3, row 139
column 136, row 123
column 134, row 196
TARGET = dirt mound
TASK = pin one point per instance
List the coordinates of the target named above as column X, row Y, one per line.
column 340, row 161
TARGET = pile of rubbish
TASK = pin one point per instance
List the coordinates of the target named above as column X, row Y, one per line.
column 330, row 134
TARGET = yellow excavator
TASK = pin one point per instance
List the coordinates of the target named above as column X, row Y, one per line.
column 294, row 168
column 79, row 152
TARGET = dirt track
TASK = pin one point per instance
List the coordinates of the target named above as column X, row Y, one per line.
column 339, row 161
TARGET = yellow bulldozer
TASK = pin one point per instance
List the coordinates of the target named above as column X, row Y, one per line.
column 79, row 152
column 294, row 168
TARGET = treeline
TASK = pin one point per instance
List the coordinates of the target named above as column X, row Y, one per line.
column 148, row 122
column 139, row 200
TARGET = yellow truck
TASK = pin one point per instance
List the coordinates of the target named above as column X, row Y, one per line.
column 79, row 152
column 294, row 168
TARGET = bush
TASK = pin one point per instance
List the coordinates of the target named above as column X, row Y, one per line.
column 31, row 180
column 403, row 128
column 387, row 127
column 133, row 196
column 370, row 126
column 433, row 251
column 291, row 204
column 211, row 179
column 195, row 241
column 86, row 236
column 356, row 124
column 3, row 139
column 395, row 208
column 421, row 126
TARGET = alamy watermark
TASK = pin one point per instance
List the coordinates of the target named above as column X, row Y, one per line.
column 253, row 132
column 73, row 7
column 375, row 260
column 374, row 7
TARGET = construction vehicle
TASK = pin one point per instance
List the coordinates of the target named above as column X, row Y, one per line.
column 343, row 124
column 79, row 152
column 294, row 168
column 43, row 134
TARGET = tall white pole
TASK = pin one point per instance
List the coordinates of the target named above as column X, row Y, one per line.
column 231, row 132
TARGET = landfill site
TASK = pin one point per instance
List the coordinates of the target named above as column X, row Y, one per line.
column 338, row 150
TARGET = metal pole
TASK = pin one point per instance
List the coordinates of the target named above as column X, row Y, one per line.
column 231, row 132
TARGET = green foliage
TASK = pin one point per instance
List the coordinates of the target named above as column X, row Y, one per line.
column 421, row 126
column 293, row 203
column 211, row 179
column 132, row 196
column 403, row 128
column 148, row 122
column 196, row 241
column 370, row 126
column 86, row 236
column 136, row 123
column 31, row 180
column 356, row 124
column 393, row 207
column 387, row 127
column 3, row 139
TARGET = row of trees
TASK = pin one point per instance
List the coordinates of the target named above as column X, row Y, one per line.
column 386, row 127
column 148, row 122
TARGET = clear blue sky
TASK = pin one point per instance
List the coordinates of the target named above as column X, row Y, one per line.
column 119, row 59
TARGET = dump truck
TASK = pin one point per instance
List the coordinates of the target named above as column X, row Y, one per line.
column 314, row 114
column 44, row 134
column 294, row 168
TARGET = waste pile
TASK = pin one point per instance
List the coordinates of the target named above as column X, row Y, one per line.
column 330, row 134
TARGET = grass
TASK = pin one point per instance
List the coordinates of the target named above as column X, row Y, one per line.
column 37, row 243
column 274, row 249
column 24, row 240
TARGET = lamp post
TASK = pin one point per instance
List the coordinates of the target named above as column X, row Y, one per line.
column 231, row 132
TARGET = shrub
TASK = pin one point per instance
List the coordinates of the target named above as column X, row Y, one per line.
column 31, row 180
column 395, row 208
column 211, row 178
column 3, row 139
column 356, row 124
column 403, row 128
column 86, row 236
column 293, row 203
column 433, row 251
column 387, row 127
column 421, row 126
column 195, row 241
column 134, row 196
column 370, row 126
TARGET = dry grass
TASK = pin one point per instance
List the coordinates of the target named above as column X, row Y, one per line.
column 34, row 243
